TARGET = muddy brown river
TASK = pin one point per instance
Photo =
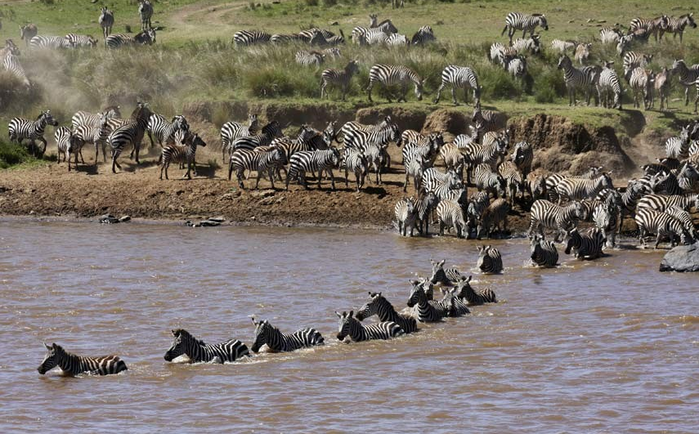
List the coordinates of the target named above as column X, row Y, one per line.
column 604, row 346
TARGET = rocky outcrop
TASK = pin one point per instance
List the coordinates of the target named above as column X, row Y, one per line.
column 681, row 258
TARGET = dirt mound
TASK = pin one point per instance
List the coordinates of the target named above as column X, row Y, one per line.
column 406, row 119
column 447, row 120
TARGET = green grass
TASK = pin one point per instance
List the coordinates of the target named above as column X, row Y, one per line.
column 12, row 154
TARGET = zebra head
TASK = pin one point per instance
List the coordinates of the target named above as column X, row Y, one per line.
column 623, row 44
column 438, row 274
column 252, row 121
column 373, row 20
column 689, row 18
column 11, row 47
column 573, row 239
column 564, row 62
column 462, row 285
column 417, row 293
column 181, row 344
column 605, row 180
column 419, row 87
column 542, row 21
column 578, row 210
column 346, row 322
column 262, row 334
column 47, row 118
column 51, row 359
column 330, row 133
column 370, row 308
column 181, row 122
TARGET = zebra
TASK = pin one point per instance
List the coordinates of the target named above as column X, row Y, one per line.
column 488, row 120
column 307, row 140
column 642, row 81
column 305, row 161
column 130, row 133
column 309, row 58
column 51, row 42
column 582, row 52
column 72, row 364
column 605, row 218
column 97, row 135
column 489, row 260
column 397, row 40
column 339, row 77
column 11, row 63
column 355, row 161
column 261, row 162
column 650, row 221
column 284, row 39
column 452, row 156
column 609, row 35
column 531, row 45
column 268, row 133
column 119, row 40
column 443, row 276
column 423, row 36
column 414, row 168
column 686, row 76
column 545, row 214
column 536, row 186
column 661, row 203
column 624, row 44
column 20, row 129
column 230, row 131
column 405, row 211
column 423, row 147
column 662, row 87
column 499, row 52
column 395, row 74
column 145, row 13
column 471, row 296
column 678, row 146
column 652, row 26
column 488, row 154
column 488, row 180
column 543, row 253
column 373, row 145
column 477, row 204
column 27, row 32
column 677, row 25
column 244, row 38
column 383, row 308
column 454, row 305
column 67, row 144
column 461, row 77
column 385, row 25
column 451, row 214
column 73, row 40
column 163, row 130
column 608, row 82
column 441, row 184
column 562, row 46
column 181, row 153
column 581, row 188
column 276, row 341
column 426, row 202
column 491, row 218
column 633, row 60
column 514, row 180
column 423, row 309
column 666, row 183
column 523, row 157
column 350, row 326
column 587, row 245
column 526, row 23
column 685, row 218
column 106, row 21
column 576, row 79
column 517, row 66
column 693, row 148
column 198, row 351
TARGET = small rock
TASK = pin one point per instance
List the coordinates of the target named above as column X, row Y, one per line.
column 125, row 218
column 334, row 23
column 219, row 219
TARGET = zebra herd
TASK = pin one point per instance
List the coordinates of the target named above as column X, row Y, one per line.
column 458, row 296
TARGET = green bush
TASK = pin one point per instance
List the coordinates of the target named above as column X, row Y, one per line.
column 12, row 154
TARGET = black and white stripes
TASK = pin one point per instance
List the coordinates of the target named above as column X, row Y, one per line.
column 72, row 364
column 21, row 129
column 400, row 75
column 526, row 23
column 197, row 350
column 350, row 326
column 576, row 79
column 459, row 77
column 276, row 341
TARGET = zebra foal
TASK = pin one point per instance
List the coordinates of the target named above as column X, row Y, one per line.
column 72, row 364
column 184, row 344
column 350, row 326
column 276, row 341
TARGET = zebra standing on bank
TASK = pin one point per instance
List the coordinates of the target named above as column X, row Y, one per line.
column 20, row 129
column 687, row 76
column 587, row 245
column 652, row 26
column 383, row 308
column 443, row 276
column 514, row 180
column 423, row 309
column 338, row 77
column 163, row 130
column 489, row 181
column 276, row 341
column 459, row 77
column 576, row 79
column 516, row 66
column 131, row 133
column 106, row 21
column 677, row 25
column 74, row 40
column 27, row 33
column 661, row 203
column 529, row 45
column 350, row 326
column 633, row 60
column 67, row 144
column 678, row 146
column 11, row 63
column 474, row 297
column 523, row 157
column 198, row 351
column 72, row 364
column 373, row 145
column 389, row 75
column 423, row 36
column 185, row 153
column 441, row 184
column 581, row 188
column 608, row 83
column 491, row 218
column 662, row 87
column 313, row 161
column 244, row 38
column 261, row 162
column 488, row 120
column 526, row 23
column 406, row 216
column 230, row 131
column 356, row 162
column 89, row 133
column 451, row 214
column 414, row 168
column 265, row 137
column 489, row 260
column 562, row 46
column 145, row 13
column 543, row 253
column 641, row 81
column 545, row 214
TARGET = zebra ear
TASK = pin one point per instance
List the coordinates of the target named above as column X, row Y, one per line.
column 174, row 332
column 351, row 313
column 48, row 347
column 339, row 315
column 441, row 263
column 469, row 279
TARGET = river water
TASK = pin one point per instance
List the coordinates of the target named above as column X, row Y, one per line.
column 610, row 345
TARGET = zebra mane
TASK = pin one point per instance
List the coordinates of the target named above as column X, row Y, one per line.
column 187, row 335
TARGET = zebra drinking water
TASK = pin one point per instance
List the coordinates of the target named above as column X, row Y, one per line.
column 198, row 351
column 72, row 364
column 276, row 341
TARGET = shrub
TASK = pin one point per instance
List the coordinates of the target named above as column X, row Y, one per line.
column 11, row 154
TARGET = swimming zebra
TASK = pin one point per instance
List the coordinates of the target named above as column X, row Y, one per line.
column 350, row 326
column 73, row 40
column 424, row 35
column 582, row 188
column 316, row 161
column 609, row 35
column 582, row 52
column 425, row 310
column 474, row 297
column 491, row 218
column 27, row 32
column 678, row 146
column 587, row 245
column 309, row 58
column 451, row 214
column 405, row 211
column 145, row 13
column 608, row 83
column 261, row 162
column 652, row 26
column 163, row 130
column 356, row 162
column 185, row 153
column 687, row 76
column 120, row 40
column 576, row 79
column 545, row 214
column 230, row 131
column 338, row 77
column 562, row 46
column 459, row 77
column 439, row 183
column 543, row 253
column 20, row 129
column 389, row 75
column 72, row 364
column 489, row 181
column 454, row 305
column 106, row 21
column 67, row 144
column 489, row 260
column 526, row 23
column 131, row 133
column 276, row 341
column 250, row 37
column 51, row 42
column 641, row 82
column 383, row 308
column 677, row 25
column 198, row 351
column 443, row 276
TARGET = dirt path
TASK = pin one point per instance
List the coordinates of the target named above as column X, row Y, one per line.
column 211, row 15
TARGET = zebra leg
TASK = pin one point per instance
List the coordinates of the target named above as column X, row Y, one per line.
column 43, row 150
column 369, row 88
column 404, row 93
column 439, row 93
column 686, row 95
column 347, row 177
column 162, row 167
column 189, row 169
column 332, row 179
column 257, row 182
column 405, row 184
